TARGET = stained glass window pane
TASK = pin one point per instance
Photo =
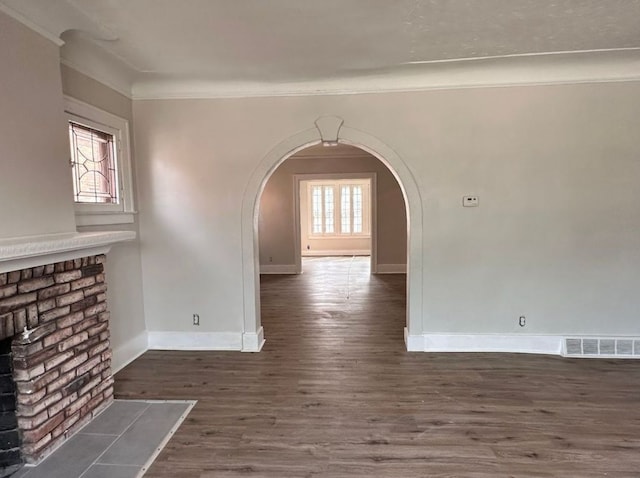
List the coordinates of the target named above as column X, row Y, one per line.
column 93, row 157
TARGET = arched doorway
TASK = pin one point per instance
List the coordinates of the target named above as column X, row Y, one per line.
column 329, row 129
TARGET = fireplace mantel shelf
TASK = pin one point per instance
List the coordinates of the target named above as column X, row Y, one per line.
column 23, row 252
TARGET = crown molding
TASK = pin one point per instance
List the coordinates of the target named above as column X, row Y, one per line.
column 118, row 85
column 92, row 60
column 51, row 36
column 555, row 68
column 524, row 70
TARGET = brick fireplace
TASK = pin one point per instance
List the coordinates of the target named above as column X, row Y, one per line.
column 57, row 317
column 55, row 353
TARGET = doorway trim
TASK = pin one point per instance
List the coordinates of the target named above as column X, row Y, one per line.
column 253, row 332
column 373, row 224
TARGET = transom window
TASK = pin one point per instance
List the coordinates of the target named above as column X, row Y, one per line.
column 339, row 207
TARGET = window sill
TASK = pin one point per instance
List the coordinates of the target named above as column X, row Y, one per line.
column 104, row 218
column 339, row 236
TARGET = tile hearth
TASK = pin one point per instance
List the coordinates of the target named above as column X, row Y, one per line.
column 121, row 442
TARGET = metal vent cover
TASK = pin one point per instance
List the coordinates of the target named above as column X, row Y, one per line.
column 628, row 347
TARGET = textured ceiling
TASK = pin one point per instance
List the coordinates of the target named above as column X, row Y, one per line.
column 285, row 41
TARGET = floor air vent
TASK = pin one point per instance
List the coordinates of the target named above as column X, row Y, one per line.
column 601, row 347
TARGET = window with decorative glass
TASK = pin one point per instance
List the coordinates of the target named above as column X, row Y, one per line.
column 100, row 165
column 93, row 159
column 339, row 207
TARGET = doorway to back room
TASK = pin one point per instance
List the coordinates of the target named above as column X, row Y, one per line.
column 335, row 215
column 320, row 210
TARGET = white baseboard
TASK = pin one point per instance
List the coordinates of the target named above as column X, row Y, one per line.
column 337, row 252
column 414, row 343
column 278, row 269
column 127, row 352
column 253, row 342
column 391, row 269
column 530, row 344
column 195, row 341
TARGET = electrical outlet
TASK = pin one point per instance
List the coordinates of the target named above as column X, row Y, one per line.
column 470, row 201
column 196, row 319
column 522, row 321
column 270, row 259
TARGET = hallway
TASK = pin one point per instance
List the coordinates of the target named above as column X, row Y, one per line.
column 335, row 394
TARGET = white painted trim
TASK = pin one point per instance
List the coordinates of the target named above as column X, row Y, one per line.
column 24, row 252
column 195, row 340
column 87, row 114
column 253, row 342
column 392, row 269
column 278, row 269
column 250, row 219
column 127, row 352
column 414, row 343
column 413, row 205
column 597, row 66
column 531, row 344
column 52, row 37
column 104, row 218
column 337, row 252
column 373, row 219
column 250, row 210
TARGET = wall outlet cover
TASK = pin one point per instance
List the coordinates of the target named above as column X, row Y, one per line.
column 470, row 201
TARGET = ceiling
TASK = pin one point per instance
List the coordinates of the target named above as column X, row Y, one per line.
column 153, row 47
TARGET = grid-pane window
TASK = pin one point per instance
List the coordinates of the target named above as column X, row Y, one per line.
column 357, row 211
column 322, row 210
column 316, row 209
column 339, row 207
column 329, row 208
column 93, row 158
column 345, row 209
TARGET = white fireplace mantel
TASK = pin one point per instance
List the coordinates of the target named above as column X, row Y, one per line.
column 32, row 251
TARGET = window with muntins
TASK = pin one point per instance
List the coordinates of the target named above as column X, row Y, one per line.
column 339, row 208
column 100, row 165
column 93, row 158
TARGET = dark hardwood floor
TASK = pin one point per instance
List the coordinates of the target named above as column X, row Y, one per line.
column 334, row 394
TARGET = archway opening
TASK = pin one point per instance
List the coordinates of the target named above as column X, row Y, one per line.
column 337, row 214
column 253, row 336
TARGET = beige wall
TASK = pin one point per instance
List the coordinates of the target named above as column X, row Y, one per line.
column 123, row 268
column 277, row 235
column 555, row 237
column 36, row 192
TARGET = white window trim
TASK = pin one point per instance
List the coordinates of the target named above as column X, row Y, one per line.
column 336, row 183
column 102, row 214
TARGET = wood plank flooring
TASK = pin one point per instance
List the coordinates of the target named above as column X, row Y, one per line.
column 334, row 394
